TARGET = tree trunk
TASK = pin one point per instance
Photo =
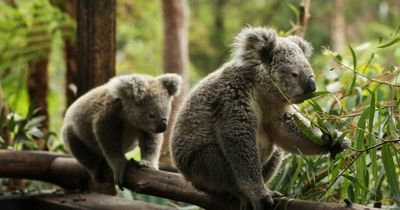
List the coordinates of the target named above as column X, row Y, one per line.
column 96, row 43
column 96, row 52
column 175, row 58
column 4, row 132
column 70, row 50
column 38, row 88
column 338, row 27
column 304, row 14
column 218, row 35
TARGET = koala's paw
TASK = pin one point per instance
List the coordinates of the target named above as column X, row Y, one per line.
column 263, row 203
column 276, row 194
column 119, row 173
column 147, row 164
column 339, row 147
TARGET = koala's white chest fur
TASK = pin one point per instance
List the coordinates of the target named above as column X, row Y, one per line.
column 266, row 114
column 264, row 144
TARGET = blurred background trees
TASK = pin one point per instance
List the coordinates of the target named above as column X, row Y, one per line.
column 38, row 65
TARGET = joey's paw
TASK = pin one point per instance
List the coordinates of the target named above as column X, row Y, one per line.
column 119, row 174
column 147, row 164
column 119, row 178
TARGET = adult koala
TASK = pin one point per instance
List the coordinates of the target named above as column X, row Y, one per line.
column 228, row 135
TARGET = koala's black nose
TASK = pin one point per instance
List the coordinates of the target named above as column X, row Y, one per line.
column 310, row 86
column 162, row 126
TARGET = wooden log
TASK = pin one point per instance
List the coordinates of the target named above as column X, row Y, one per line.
column 65, row 171
column 75, row 201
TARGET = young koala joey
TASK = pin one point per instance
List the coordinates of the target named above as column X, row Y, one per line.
column 109, row 120
column 230, row 132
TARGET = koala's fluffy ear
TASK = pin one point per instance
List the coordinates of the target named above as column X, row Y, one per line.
column 254, row 45
column 128, row 86
column 172, row 82
column 303, row 44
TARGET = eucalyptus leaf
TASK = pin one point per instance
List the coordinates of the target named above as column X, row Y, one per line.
column 308, row 132
column 394, row 41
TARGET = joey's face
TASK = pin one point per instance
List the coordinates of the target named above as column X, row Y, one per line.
column 291, row 72
column 151, row 113
column 146, row 100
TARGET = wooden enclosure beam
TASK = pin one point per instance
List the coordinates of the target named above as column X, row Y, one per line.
column 96, row 43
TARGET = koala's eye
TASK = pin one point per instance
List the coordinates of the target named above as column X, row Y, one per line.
column 151, row 115
column 295, row 75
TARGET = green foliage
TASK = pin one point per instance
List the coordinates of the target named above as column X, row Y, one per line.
column 366, row 108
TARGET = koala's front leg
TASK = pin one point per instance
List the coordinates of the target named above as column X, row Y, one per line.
column 290, row 137
column 237, row 139
column 150, row 146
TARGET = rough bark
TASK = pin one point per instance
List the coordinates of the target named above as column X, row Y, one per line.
column 66, row 172
column 70, row 51
column 304, row 9
column 96, row 43
column 74, row 201
column 175, row 58
column 38, row 89
column 4, row 132
column 338, row 27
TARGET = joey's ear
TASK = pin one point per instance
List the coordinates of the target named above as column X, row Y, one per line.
column 172, row 82
column 128, row 86
column 254, row 45
column 303, row 44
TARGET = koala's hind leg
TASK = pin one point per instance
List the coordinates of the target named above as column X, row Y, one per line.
column 271, row 167
column 94, row 163
column 210, row 172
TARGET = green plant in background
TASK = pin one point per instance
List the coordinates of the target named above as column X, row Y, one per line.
column 367, row 111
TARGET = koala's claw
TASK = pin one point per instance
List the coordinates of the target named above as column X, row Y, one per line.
column 120, row 175
column 267, row 201
column 145, row 163
column 121, row 179
column 276, row 194
column 339, row 147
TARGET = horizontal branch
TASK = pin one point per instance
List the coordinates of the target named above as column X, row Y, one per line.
column 66, row 172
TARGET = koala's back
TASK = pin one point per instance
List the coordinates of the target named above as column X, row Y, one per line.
column 195, row 127
column 80, row 115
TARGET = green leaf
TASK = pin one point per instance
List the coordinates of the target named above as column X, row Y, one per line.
column 392, row 178
column 295, row 11
column 394, row 41
column 308, row 132
column 315, row 105
column 355, row 182
column 311, row 95
column 353, row 54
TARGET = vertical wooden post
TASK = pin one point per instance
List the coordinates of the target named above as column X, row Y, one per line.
column 70, row 49
column 96, row 53
column 96, row 43
column 175, row 56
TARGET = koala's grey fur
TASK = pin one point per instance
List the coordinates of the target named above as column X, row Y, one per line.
column 228, row 135
column 106, row 122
